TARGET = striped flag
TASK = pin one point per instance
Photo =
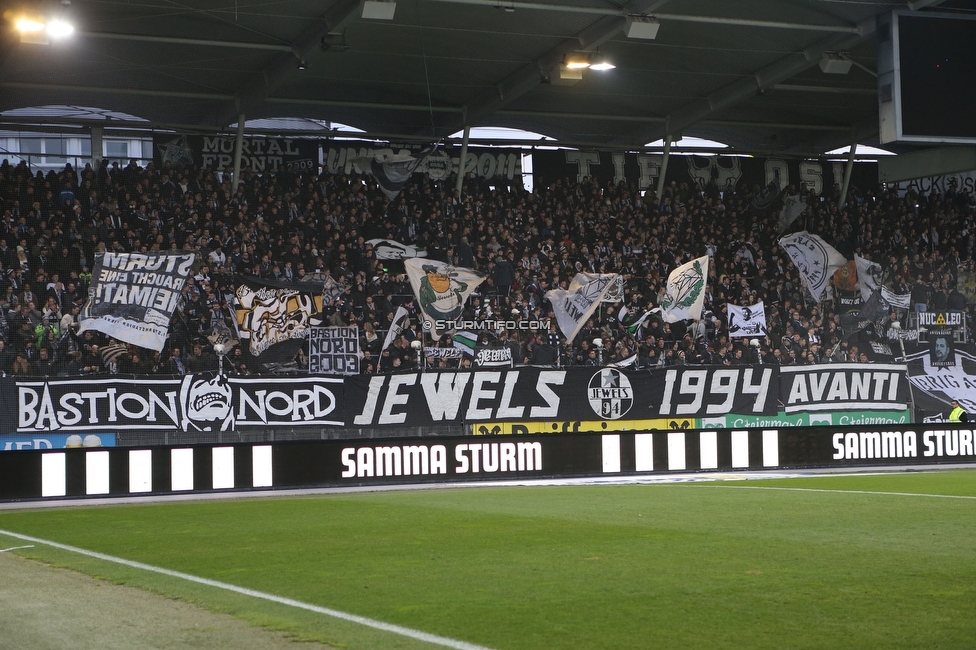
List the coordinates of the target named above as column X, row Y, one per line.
column 465, row 342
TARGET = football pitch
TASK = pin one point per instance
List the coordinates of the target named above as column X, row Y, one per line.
column 879, row 561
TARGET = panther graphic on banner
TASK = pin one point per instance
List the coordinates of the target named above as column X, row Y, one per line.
column 270, row 315
column 610, row 394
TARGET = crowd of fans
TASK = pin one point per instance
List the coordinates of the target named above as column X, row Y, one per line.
column 315, row 228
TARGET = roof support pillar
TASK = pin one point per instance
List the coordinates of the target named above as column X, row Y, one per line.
column 664, row 166
column 842, row 201
column 238, row 148
column 462, row 159
column 96, row 146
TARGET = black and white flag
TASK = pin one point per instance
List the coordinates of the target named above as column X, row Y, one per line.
column 333, row 351
column 132, row 296
column 493, row 357
column 749, row 321
column 815, row 259
column 401, row 321
column 869, row 276
column 793, row 207
column 268, row 314
column 387, row 249
column 575, row 305
column 393, row 170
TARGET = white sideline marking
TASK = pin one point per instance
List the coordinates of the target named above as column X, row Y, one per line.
column 353, row 618
column 793, row 489
column 15, row 548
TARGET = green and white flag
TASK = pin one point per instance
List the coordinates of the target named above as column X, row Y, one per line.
column 441, row 290
column 684, row 294
column 465, row 341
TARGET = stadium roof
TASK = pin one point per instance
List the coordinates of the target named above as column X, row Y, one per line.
column 745, row 73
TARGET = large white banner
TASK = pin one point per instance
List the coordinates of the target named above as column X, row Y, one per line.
column 441, row 290
column 575, row 305
column 814, row 258
column 132, row 296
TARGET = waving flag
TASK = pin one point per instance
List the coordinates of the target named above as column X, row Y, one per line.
column 815, row 259
column 441, row 290
column 793, row 207
column 868, row 276
column 685, row 291
column 401, row 322
column 575, row 305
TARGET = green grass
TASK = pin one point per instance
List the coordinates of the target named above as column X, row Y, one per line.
column 680, row 566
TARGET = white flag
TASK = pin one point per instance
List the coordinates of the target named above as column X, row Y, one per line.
column 900, row 300
column 815, row 259
column 868, row 276
column 401, row 321
column 685, row 291
column 575, row 305
column 749, row 321
column 441, row 290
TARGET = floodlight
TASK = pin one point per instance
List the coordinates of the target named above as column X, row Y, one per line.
column 576, row 61
column 58, row 28
column 599, row 62
column 28, row 25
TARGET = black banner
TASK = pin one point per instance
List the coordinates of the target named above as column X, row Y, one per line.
column 190, row 403
column 273, row 319
column 260, row 154
column 320, row 463
column 352, row 157
column 839, row 386
column 723, row 172
column 554, row 394
column 213, row 402
column 333, row 350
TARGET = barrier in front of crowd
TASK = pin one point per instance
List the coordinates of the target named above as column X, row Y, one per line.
column 337, row 463
column 223, row 409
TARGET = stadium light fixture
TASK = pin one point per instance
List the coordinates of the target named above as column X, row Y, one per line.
column 58, row 28
column 40, row 29
column 29, row 24
column 576, row 61
column 379, row 9
column 600, row 62
column 642, row 27
column 835, row 63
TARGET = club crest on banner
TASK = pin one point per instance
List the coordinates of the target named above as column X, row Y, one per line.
column 610, row 394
